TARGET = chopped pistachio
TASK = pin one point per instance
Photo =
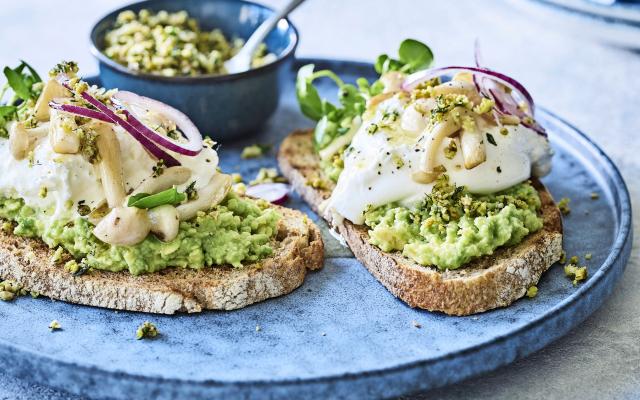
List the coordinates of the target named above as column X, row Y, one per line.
column 72, row 266
column 397, row 160
column 10, row 286
column 532, row 292
column 43, row 192
column 64, row 67
column 254, row 151
column 146, row 331
column 578, row 274
column 88, row 145
column 318, row 183
column 54, row 325
column 563, row 205
column 588, row 256
column 31, row 158
column 81, row 87
column 191, row 192
column 172, row 44
column 594, row 196
column 240, row 188
column 504, row 131
column 7, row 227
column 267, row 175
column 574, row 260
column 158, row 169
column 208, row 142
column 485, row 106
column 451, row 150
column 57, row 255
column 6, row 296
column 563, row 257
column 236, row 178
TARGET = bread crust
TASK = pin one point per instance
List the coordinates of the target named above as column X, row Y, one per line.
column 483, row 284
column 298, row 247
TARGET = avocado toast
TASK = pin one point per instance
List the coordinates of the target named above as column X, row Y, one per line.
column 114, row 200
column 432, row 183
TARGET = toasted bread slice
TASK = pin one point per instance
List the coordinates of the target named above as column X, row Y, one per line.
column 298, row 247
column 483, row 284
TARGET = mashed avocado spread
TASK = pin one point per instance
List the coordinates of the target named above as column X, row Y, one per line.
column 235, row 231
column 451, row 226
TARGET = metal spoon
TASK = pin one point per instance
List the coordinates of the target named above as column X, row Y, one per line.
column 242, row 60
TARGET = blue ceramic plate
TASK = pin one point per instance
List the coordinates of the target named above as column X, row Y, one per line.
column 341, row 335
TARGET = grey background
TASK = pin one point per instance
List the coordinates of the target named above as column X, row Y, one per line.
column 592, row 85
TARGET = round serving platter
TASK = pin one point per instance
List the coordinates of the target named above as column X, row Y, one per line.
column 342, row 334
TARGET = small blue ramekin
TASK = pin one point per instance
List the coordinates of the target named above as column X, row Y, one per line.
column 222, row 106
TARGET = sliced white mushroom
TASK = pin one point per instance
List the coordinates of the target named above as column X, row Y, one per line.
column 18, row 140
column 123, row 226
column 52, row 89
column 392, row 81
column 428, row 172
column 110, row 164
column 22, row 140
column 62, row 141
column 473, row 148
column 413, row 120
column 209, row 196
column 341, row 141
column 377, row 99
column 165, row 222
column 171, row 177
column 458, row 87
column 99, row 211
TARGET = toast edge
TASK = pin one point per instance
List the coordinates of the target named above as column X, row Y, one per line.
column 28, row 262
column 508, row 275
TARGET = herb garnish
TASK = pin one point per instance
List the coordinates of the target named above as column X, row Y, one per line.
column 491, row 139
column 191, row 192
column 158, row 169
column 26, row 87
column 336, row 120
column 145, row 200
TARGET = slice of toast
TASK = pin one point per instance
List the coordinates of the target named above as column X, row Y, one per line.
column 298, row 247
column 483, row 284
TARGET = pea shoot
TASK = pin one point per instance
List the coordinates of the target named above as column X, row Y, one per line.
column 336, row 120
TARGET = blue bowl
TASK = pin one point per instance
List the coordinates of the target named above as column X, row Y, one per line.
column 222, row 106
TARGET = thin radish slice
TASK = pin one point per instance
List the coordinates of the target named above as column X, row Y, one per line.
column 81, row 111
column 128, row 102
column 150, row 146
column 276, row 193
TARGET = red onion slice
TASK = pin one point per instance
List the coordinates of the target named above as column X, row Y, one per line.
column 276, row 193
column 500, row 100
column 416, row 78
column 150, row 146
column 81, row 111
column 124, row 100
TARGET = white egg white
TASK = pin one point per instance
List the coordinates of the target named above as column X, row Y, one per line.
column 378, row 166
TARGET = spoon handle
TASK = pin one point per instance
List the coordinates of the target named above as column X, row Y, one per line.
column 267, row 26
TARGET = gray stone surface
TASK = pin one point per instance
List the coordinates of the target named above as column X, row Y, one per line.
column 594, row 86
